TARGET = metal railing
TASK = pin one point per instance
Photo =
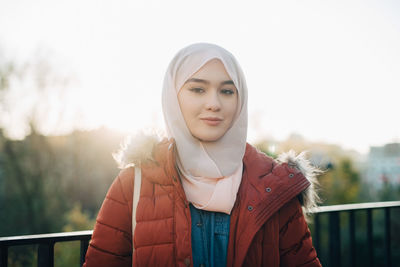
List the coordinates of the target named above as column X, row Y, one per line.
column 334, row 235
column 46, row 242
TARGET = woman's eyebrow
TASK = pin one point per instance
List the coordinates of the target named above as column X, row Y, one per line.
column 197, row 81
column 227, row 82
column 207, row 82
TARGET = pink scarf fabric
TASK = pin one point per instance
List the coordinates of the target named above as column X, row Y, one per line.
column 211, row 172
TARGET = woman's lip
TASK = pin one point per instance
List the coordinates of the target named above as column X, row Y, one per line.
column 212, row 121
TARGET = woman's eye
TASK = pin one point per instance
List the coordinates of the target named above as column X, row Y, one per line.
column 197, row 90
column 228, row 91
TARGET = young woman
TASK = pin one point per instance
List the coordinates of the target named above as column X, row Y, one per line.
column 207, row 198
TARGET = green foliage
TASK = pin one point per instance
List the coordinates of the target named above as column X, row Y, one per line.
column 21, row 256
column 42, row 177
column 46, row 182
column 67, row 253
column 78, row 220
column 32, row 193
column 341, row 183
column 389, row 192
column 265, row 147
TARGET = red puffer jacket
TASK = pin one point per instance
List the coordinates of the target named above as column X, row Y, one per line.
column 267, row 223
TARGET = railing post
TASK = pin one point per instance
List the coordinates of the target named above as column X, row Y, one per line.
column 84, row 247
column 388, row 254
column 3, row 256
column 370, row 238
column 317, row 235
column 46, row 254
column 334, row 239
column 352, row 229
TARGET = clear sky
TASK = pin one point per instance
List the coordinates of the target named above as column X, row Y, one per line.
column 328, row 70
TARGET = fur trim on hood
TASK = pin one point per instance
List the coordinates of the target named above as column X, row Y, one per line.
column 309, row 198
column 138, row 149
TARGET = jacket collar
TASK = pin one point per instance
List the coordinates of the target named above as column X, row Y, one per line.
column 153, row 152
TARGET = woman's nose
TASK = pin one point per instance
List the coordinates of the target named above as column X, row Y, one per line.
column 213, row 102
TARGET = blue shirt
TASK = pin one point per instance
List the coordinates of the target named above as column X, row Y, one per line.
column 210, row 236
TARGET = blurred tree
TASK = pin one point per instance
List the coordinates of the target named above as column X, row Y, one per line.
column 32, row 197
column 389, row 192
column 32, row 93
column 40, row 176
column 341, row 183
column 267, row 147
column 77, row 220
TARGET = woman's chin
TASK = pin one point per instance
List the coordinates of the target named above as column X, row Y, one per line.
column 209, row 138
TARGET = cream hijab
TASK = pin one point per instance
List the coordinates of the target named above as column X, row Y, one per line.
column 211, row 171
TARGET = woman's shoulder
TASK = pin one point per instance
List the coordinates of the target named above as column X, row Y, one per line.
column 286, row 169
column 138, row 148
column 298, row 163
column 121, row 188
column 148, row 150
column 256, row 159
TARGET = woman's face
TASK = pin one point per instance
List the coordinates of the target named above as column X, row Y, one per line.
column 208, row 101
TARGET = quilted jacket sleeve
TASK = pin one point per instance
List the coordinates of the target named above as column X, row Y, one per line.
column 111, row 243
column 295, row 246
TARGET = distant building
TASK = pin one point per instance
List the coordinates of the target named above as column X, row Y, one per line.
column 383, row 165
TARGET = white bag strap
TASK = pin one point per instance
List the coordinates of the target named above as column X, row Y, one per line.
column 136, row 195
